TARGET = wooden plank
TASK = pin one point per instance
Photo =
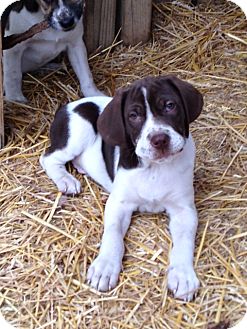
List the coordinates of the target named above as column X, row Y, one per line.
column 91, row 24
column 99, row 23
column 1, row 96
column 107, row 23
column 136, row 21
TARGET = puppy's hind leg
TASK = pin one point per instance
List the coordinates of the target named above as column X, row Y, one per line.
column 54, row 165
column 69, row 139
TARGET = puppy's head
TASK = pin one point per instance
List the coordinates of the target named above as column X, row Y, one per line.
column 152, row 116
column 62, row 14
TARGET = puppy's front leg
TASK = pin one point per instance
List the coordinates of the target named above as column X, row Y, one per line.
column 77, row 54
column 12, row 74
column 182, row 279
column 104, row 272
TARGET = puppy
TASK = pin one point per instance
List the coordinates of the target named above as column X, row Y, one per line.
column 138, row 147
column 65, row 34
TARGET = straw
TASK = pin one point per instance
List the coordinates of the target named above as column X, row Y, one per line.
column 49, row 240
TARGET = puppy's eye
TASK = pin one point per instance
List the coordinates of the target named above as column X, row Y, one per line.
column 133, row 116
column 169, row 106
column 166, row 106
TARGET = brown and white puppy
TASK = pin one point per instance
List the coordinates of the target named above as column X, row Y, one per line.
column 138, row 147
column 64, row 35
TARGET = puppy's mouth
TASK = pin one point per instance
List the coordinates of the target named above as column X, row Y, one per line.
column 163, row 156
column 167, row 149
column 160, row 156
column 69, row 27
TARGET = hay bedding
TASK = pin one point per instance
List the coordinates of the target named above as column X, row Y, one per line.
column 48, row 240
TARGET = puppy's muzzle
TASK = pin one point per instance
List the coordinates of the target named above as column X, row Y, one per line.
column 160, row 141
column 67, row 23
column 66, row 20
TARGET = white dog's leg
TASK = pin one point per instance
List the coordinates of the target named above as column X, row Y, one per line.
column 12, row 75
column 104, row 272
column 78, row 59
column 182, row 279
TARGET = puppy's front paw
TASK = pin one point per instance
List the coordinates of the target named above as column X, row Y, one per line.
column 68, row 184
column 183, row 282
column 103, row 273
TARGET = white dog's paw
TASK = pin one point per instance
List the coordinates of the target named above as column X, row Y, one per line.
column 103, row 273
column 19, row 98
column 183, row 282
column 68, row 184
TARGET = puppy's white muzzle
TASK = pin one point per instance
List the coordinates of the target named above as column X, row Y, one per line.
column 158, row 146
column 64, row 21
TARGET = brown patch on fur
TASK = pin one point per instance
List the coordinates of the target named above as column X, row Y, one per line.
column 59, row 132
column 90, row 112
column 108, row 155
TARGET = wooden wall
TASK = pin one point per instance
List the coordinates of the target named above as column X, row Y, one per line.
column 99, row 22
column 103, row 19
column 136, row 21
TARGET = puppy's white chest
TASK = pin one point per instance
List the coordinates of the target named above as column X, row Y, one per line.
column 151, row 191
column 41, row 51
column 154, row 206
column 154, row 188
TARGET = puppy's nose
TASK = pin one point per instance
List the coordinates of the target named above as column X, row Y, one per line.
column 160, row 141
column 67, row 22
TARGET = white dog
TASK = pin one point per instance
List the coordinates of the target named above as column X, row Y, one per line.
column 65, row 34
column 138, row 147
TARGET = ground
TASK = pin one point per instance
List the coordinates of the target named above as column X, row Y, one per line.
column 49, row 240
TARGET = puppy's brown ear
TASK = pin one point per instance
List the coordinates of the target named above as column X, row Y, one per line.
column 191, row 97
column 110, row 124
